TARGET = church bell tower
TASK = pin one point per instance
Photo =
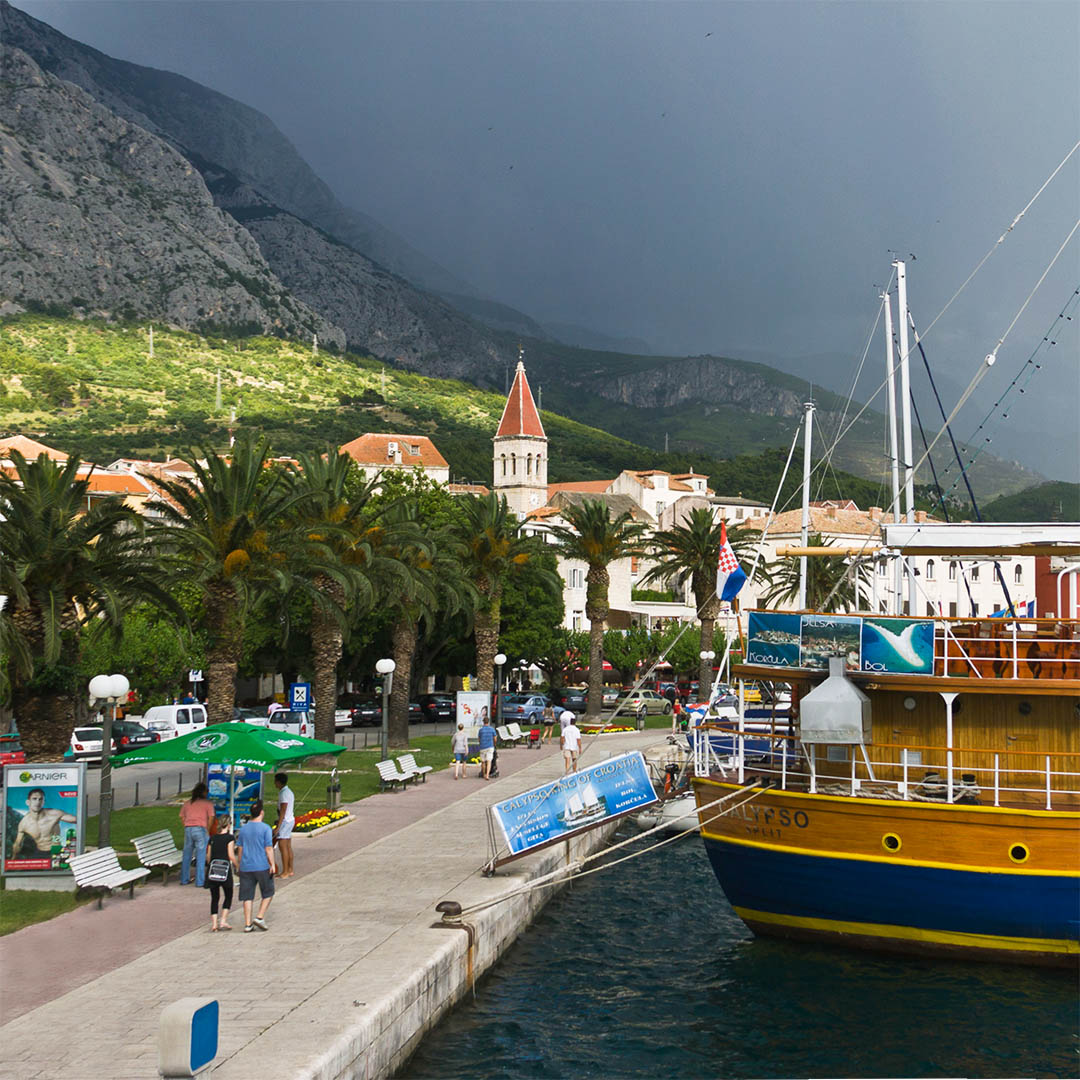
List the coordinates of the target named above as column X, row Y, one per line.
column 521, row 449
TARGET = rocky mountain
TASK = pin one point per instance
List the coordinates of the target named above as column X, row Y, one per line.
column 223, row 130
column 97, row 213
column 380, row 312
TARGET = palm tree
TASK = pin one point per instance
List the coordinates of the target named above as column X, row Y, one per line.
column 62, row 564
column 229, row 530
column 340, row 570
column 692, row 550
column 593, row 537
column 493, row 548
column 824, row 573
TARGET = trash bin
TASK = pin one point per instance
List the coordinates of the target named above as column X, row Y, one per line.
column 333, row 794
column 641, row 723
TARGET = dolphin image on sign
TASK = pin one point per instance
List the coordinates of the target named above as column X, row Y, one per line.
column 902, row 643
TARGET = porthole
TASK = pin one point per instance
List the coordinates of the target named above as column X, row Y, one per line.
column 1019, row 853
column 891, row 842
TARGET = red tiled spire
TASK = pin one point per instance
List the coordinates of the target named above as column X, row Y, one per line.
column 520, row 416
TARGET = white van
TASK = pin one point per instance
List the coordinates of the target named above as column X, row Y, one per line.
column 169, row 721
column 293, row 722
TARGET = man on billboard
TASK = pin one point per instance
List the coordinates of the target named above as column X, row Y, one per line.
column 33, row 838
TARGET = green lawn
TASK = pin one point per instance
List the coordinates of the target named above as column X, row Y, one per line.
column 19, row 907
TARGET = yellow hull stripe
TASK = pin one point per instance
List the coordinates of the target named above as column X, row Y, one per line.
column 911, row 933
column 721, row 838
column 904, row 807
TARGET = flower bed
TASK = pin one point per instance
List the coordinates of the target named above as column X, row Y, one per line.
column 607, row 729
column 318, row 819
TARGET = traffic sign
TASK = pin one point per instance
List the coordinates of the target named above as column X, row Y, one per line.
column 300, row 696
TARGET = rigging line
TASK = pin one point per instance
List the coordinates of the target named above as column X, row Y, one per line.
column 1001, row 239
column 959, row 462
column 866, row 351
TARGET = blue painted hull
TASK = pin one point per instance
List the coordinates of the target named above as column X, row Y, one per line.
column 1031, row 917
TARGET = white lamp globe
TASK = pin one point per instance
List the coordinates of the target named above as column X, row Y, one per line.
column 500, row 659
column 100, row 686
column 703, row 654
column 385, row 667
column 118, row 686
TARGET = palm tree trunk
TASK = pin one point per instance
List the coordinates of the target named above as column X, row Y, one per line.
column 46, row 719
column 326, row 648
column 403, row 645
column 486, row 633
column 597, row 582
column 705, row 670
column 223, row 657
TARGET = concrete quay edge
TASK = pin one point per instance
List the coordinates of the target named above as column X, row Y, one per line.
column 290, row 1005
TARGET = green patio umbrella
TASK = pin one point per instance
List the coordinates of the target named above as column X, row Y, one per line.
column 231, row 744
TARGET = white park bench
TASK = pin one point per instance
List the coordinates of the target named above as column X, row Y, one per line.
column 389, row 775
column 507, row 737
column 407, row 764
column 158, row 849
column 100, row 871
column 518, row 734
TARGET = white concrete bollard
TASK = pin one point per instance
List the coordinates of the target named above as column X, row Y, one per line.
column 188, row 1036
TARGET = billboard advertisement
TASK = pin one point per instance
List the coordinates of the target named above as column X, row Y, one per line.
column 773, row 639
column 898, row 646
column 829, row 635
column 246, row 788
column 43, row 817
column 473, row 706
column 575, row 802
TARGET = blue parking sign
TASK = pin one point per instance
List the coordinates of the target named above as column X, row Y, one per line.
column 300, row 696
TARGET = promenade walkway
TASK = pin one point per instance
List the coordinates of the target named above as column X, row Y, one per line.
column 83, row 993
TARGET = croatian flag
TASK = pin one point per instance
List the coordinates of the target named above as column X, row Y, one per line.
column 729, row 575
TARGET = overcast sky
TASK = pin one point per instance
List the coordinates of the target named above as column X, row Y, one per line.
column 709, row 177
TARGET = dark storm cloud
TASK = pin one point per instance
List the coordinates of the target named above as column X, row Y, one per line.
column 708, row 177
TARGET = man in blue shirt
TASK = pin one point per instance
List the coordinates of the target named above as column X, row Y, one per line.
column 255, row 851
column 487, row 748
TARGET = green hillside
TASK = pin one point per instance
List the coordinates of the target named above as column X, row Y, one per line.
column 92, row 388
column 1053, row 501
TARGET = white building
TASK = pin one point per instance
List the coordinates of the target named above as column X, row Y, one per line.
column 379, row 452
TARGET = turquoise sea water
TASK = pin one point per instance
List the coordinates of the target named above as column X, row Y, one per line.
column 645, row 971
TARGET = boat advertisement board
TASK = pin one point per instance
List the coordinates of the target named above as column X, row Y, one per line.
column 830, row 635
column 576, row 802
column 888, row 646
column 43, row 817
column 898, row 646
column 473, row 706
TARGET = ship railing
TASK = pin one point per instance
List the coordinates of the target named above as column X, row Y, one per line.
column 1002, row 648
column 919, row 773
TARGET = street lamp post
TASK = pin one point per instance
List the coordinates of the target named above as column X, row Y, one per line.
column 500, row 659
column 109, row 689
column 386, row 669
column 707, row 657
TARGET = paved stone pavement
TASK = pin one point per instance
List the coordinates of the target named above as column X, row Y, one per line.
column 106, row 975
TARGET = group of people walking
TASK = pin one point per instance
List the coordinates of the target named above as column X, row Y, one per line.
column 217, row 852
column 569, row 743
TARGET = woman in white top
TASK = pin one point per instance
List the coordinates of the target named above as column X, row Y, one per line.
column 459, row 747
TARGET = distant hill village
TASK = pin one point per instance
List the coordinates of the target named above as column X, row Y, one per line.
column 948, row 586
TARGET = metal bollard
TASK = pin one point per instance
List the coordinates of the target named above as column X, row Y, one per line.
column 179, row 783
column 136, row 803
column 159, row 789
column 354, row 740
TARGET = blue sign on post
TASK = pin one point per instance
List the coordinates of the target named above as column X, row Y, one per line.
column 576, row 802
column 232, row 789
column 300, row 696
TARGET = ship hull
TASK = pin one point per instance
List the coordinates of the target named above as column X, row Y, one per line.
column 813, row 867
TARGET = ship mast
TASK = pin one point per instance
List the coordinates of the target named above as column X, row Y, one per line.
column 905, row 412
column 894, row 449
column 808, row 430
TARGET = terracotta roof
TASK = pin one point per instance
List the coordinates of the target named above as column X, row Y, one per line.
column 542, row 512
column 822, row 520
column 468, row 489
column 373, row 449
column 29, row 448
column 519, row 414
column 579, row 485
column 644, row 478
column 616, row 504
column 116, row 483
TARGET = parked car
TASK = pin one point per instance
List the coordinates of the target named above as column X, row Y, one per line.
column 688, row 690
column 438, row 707
column 416, row 714
column 610, row 696
column 179, row 719
column 654, row 702
column 11, row 751
column 293, row 722
column 569, row 697
column 254, row 715
column 527, row 709
column 366, row 711
column 128, row 735
column 86, row 744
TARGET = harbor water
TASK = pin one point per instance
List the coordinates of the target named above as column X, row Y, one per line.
column 644, row 970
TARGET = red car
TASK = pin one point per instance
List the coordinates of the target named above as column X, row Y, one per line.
column 11, row 751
